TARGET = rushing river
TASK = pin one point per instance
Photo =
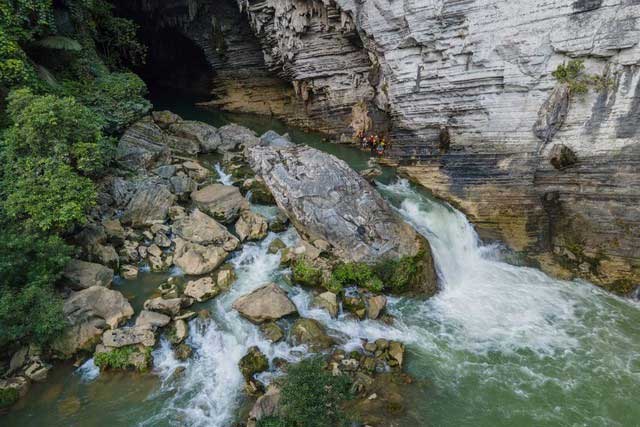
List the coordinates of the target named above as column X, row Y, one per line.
column 500, row 345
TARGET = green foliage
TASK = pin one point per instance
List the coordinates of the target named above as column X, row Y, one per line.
column 121, row 358
column 48, row 195
column 30, row 264
column 399, row 275
column 14, row 66
column 573, row 74
column 305, row 274
column 311, row 397
column 118, row 98
column 59, row 43
column 25, row 20
column 8, row 397
column 357, row 274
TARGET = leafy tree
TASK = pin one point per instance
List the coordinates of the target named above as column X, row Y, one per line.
column 30, row 264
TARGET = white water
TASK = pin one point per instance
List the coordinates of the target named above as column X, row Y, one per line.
column 509, row 341
column 224, row 178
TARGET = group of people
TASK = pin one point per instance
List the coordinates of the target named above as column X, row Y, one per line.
column 377, row 144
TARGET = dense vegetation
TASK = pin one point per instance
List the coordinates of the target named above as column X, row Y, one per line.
column 65, row 93
column 311, row 397
column 573, row 74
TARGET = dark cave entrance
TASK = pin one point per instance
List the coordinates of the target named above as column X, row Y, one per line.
column 175, row 65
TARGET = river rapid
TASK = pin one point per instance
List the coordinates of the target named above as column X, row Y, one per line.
column 499, row 345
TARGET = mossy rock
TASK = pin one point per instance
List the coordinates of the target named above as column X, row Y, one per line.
column 305, row 274
column 253, row 363
column 132, row 357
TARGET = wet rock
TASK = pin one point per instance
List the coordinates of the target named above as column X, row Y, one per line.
column 206, row 136
column 82, row 275
column 162, row 240
column 225, row 277
column 275, row 246
column 195, row 259
column 260, row 193
column 562, row 157
column 234, row 137
column 223, row 202
column 183, row 351
column 37, row 370
column 272, row 331
column 355, row 305
column 178, row 332
column 170, row 307
column 196, row 171
column 200, row 228
column 122, row 337
column 251, row 226
column 202, row 289
column 273, row 139
column 88, row 313
column 375, row 305
column 328, row 301
column 151, row 320
column 328, row 200
column 12, row 389
column 371, row 174
column 129, row 272
column 182, row 186
column 114, row 231
column 266, row 303
column 310, row 332
column 143, row 146
column 279, row 223
column 149, row 204
column 253, row 363
column 396, row 352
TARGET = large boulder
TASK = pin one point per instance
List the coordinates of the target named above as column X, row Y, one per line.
column 223, row 202
column 311, row 333
column 234, row 137
column 89, row 313
column 82, row 275
column 167, row 306
column 143, row 146
column 200, row 228
column 195, row 259
column 122, row 337
column 273, row 139
column 152, row 320
column 149, row 204
column 326, row 199
column 266, row 303
column 267, row 405
column 206, row 136
column 202, row 289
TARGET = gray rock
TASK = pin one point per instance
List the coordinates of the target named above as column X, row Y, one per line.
column 272, row 331
column 164, row 119
column 310, row 332
column 375, row 305
column 267, row 405
column 273, row 139
column 182, row 146
column 81, row 275
column 121, row 337
column 200, row 228
column 182, row 186
column 327, row 200
column 251, row 226
column 196, row 259
column 88, row 313
column 552, row 114
column 206, row 136
column 202, row 289
column 266, row 303
column 222, row 202
column 170, row 306
column 149, row 204
column 166, row 171
column 151, row 320
column 143, row 146
column 234, row 137
column 328, row 301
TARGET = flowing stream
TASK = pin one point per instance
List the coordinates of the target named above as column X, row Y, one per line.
column 500, row 345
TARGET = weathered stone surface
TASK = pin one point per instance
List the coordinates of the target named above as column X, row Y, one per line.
column 81, row 274
column 266, row 303
column 89, row 312
column 164, row 119
column 178, row 331
column 327, row 200
column 200, row 228
column 562, row 157
column 310, row 332
column 253, row 363
column 328, row 301
column 251, row 226
column 375, row 305
column 149, row 204
column 273, row 139
column 128, row 336
column 151, row 320
column 143, row 145
column 170, row 306
column 195, row 259
column 202, row 289
column 222, row 202
column 206, row 136
column 272, row 331
column 233, row 137
column 267, row 405
column 552, row 114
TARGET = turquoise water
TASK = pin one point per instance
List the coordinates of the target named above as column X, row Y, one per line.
column 500, row 345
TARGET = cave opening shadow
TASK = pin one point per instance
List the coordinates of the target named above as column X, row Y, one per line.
column 175, row 67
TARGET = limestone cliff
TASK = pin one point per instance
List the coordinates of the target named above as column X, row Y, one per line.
column 465, row 88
